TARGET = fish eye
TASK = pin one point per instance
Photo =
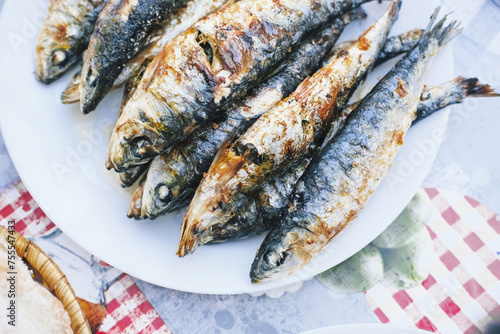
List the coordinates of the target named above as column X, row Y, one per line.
column 163, row 193
column 59, row 58
column 276, row 259
column 139, row 146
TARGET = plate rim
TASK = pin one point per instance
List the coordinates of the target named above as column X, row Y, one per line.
column 366, row 328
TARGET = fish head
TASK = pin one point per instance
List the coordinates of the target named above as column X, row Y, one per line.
column 131, row 146
column 161, row 189
column 56, row 50
column 216, row 223
column 282, row 252
column 135, row 140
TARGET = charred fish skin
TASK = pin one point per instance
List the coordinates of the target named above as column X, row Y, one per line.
column 283, row 135
column 394, row 46
column 119, row 31
column 397, row 45
column 210, row 66
column 63, row 36
column 346, row 171
column 269, row 204
column 177, row 21
column 180, row 170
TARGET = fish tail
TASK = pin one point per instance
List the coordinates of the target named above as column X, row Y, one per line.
column 473, row 88
column 438, row 35
column 72, row 92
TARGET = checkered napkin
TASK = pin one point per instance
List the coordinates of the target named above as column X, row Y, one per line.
column 127, row 309
column 462, row 292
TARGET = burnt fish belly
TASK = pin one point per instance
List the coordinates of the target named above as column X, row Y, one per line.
column 265, row 207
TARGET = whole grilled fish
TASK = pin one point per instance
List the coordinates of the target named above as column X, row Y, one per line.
column 119, row 33
column 347, row 170
column 264, row 208
column 394, row 46
column 281, row 136
column 176, row 22
column 210, row 66
column 177, row 173
column 63, row 36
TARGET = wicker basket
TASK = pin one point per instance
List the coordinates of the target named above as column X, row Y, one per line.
column 52, row 276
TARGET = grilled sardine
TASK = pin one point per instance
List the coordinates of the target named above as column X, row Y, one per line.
column 64, row 35
column 119, row 33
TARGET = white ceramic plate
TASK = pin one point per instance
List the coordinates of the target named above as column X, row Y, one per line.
column 59, row 154
column 366, row 328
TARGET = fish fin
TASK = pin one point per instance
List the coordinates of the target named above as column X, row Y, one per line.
column 473, row 88
column 439, row 32
column 72, row 93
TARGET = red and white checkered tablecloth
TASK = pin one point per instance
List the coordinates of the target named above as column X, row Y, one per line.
column 462, row 292
column 127, row 309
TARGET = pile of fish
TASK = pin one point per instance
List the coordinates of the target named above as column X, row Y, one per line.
column 239, row 110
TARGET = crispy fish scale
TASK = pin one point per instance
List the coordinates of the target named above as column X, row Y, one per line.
column 177, row 172
column 177, row 21
column 281, row 136
column 347, row 170
column 119, row 33
column 210, row 66
column 63, row 36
